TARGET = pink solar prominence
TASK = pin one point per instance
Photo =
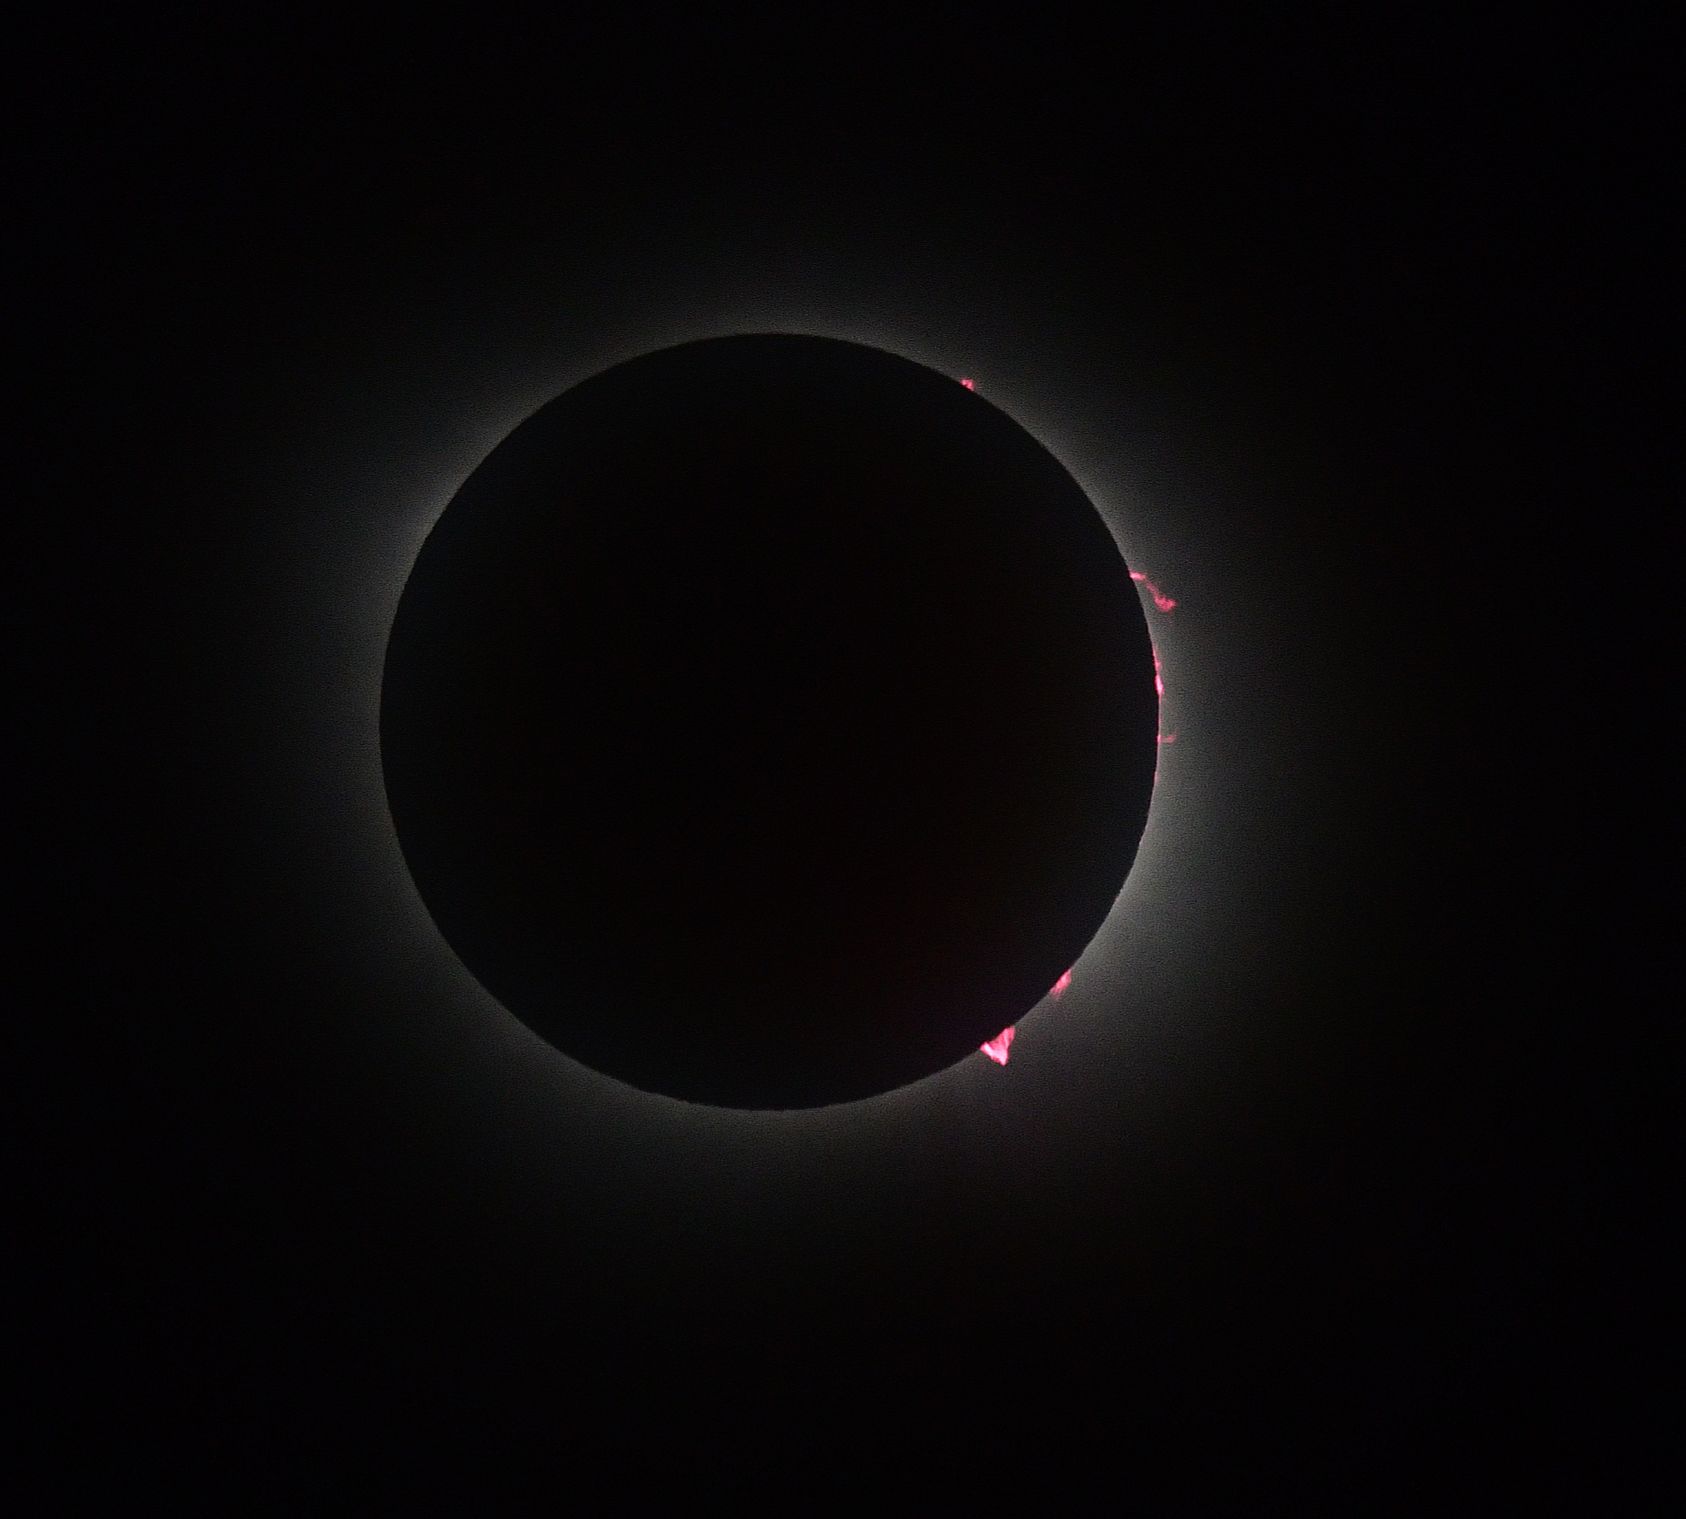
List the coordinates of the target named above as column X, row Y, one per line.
column 1160, row 599
column 997, row 1047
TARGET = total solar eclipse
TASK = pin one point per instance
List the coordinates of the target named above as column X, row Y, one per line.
column 769, row 721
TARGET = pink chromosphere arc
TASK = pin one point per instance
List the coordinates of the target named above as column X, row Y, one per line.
column 1162, row 737
column 997, row 1047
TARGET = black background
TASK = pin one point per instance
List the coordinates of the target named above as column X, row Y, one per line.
column 1364, row 306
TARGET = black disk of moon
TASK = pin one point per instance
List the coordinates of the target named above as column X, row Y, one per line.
column 769, row 721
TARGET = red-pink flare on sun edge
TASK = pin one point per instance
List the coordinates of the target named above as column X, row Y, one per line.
column 997, row 1047
column 1160, row 599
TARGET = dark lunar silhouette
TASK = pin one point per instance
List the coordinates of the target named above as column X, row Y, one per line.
column 769, row 721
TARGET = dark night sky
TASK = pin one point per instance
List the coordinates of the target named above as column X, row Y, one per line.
column 1298, row 1181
